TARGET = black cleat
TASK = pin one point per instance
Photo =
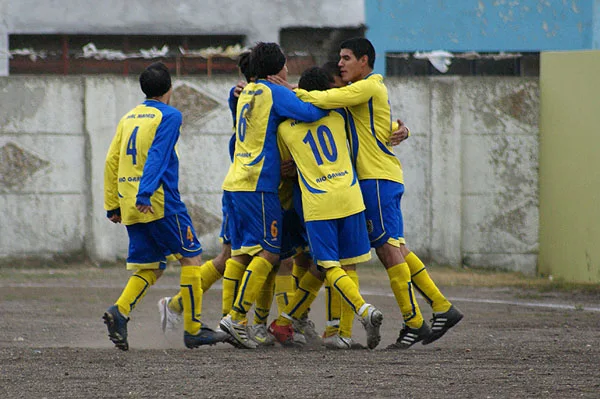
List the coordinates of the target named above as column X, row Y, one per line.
column 410, row 336
column 117, row 327
column 206, row 336
column 442, row 322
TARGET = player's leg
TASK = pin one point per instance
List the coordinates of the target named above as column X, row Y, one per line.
column 445, row 315
column 284, row 284
column 178, row 235
column 354, row 248
column 382, row 201
column 148, row 261
column 264, row 300
column 261, row 213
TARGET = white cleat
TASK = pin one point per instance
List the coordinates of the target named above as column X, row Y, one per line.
column 238, row 330
column 169, row 320
column 372, row 322
column 261, row 336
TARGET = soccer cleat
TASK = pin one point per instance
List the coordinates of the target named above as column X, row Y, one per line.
column 261, row 336
column 307, row 328
column 169, row 320
column 237, row 330
column 299, row 338
column 410, row 336
column 442, row 322
column 283, row 334
column 117, row 327
column 206, row 336
column 372, row 322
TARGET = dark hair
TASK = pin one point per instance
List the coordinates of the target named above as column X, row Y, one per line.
column 360, row 46
column 266, row 59
column 155, row 80
column 332, row 68
column 244, row 65
column 315, row 78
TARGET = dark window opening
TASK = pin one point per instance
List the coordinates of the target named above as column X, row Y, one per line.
column 466, row 64
column 306, row 47
column 122, row 54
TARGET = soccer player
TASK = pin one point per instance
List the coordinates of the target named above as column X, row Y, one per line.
column 253, row 180
column 141, row 178
column 382, row 185
column 171, row 308
column 333, row 212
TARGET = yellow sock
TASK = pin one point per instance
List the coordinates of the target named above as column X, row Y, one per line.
column 210, row 275
column 333, row 309
column 254, row 277
column 297, row 273
column 234, row 271
column 264, row 300
column 284, row 291
column 347, row 314
column 425, row 285
column 307, row 291
column 191, row 295
column 134, row 291
column 176, row 303
column 405, row 296
column 346, row 287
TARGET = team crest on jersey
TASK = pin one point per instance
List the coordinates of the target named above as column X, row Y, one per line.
column 369, row 226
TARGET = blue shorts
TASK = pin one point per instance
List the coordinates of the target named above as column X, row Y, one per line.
column 293, row 236
column 151, row 243
column 383, row 213
column 256, row 222
column 225, row 234
column 339, row 242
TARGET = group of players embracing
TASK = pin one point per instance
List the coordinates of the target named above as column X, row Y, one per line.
column 313, row 185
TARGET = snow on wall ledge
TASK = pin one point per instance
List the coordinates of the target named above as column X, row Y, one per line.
column 470, row 165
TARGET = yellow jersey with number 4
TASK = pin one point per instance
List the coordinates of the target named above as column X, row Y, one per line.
column 328, row 182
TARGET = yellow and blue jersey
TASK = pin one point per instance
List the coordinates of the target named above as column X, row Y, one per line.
column 261, row 107
column 327, row 179
column 142, row 165
column 369, row 122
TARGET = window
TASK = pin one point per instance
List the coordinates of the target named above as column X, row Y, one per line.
column 122, row 54
column 465, row 64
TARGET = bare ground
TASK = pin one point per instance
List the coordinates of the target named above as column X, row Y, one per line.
column 519, row 339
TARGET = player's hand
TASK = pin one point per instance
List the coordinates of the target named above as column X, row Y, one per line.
column 279, row 81
column 288, row 168
column 238, row 88
column 114, row 215
column 115, row 218
column 399, row 135
column 144, row 208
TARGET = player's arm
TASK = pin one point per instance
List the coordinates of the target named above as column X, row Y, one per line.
column 111, row 170
column 347, row 96
column 157, row 162
column 287, row 105
column 234, row 95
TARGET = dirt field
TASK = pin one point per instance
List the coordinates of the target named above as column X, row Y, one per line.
column 514, row 342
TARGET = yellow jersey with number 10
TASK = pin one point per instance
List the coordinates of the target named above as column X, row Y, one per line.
column 370, row 125
column 327, row 179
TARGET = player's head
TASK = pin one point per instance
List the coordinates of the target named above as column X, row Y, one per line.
column 333, row 69
column 267, row 59
column 357, row 59
column 155, row 81
column 315, row 78
column 244, row 65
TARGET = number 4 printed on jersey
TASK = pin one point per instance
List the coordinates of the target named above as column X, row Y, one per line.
column 131, row 150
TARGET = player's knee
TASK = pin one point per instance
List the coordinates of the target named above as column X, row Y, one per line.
column 192, row 261
column 158, row 273
column 286, row 266
column 270, row 257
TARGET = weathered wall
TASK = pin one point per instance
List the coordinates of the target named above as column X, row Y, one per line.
column 470, row 166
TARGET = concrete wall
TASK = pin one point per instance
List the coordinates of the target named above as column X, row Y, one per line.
column 481, row 25
column 470, row 166
column 259, row 20
column 569, row 166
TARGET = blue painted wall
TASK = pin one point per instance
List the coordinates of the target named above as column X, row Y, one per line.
column 481, row 25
